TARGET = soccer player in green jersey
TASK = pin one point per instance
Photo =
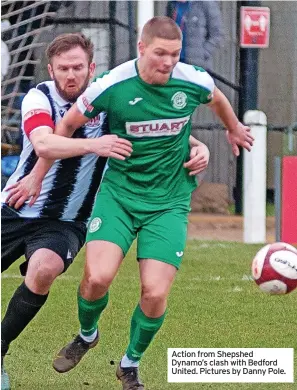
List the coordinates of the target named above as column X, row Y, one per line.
column 149, row 101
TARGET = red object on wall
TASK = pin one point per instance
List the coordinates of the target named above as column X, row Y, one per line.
column 289, row 200
column 254, row 26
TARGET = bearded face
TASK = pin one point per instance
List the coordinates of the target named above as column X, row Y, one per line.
column 71, row 73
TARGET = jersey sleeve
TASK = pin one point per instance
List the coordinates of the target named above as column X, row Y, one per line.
column 95, row 98
column 36, row 112
column 206, row 83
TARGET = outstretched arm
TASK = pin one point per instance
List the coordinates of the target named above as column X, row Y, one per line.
column 59, row 145
column 237, row 133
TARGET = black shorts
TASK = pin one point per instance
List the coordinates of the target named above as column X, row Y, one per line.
column 24, row 236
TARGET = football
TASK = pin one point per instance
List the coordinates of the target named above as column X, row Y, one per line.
column 274, row 268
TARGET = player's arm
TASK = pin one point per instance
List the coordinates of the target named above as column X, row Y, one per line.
column 55, row 143
column 221, row 106
column 58, row 145
column 39, row 127
column 88, row 106
column 36, row 119
column 49, row 146
column 237, row 133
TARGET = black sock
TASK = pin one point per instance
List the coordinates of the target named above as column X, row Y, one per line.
column 22, row 308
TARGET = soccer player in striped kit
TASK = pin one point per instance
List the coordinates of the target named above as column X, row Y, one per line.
column 50, row 232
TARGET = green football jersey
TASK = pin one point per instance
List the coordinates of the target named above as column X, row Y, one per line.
column 157, row 120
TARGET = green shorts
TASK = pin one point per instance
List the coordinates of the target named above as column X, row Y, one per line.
column 161, row 230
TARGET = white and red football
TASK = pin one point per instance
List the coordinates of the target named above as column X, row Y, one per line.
column 274, row 268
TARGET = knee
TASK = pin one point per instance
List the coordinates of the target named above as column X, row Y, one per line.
column 153, row 295
column 48, row 273
column 97, row 283
column 40, row 279
column 43, row 268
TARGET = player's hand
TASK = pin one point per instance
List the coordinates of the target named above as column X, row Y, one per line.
column 240, row 136
column 199, row 158
column 111, row 146
column 23, row 190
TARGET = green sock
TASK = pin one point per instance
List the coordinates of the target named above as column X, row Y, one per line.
column 89, row 313
column 143, row 330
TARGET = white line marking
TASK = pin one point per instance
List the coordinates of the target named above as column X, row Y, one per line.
column 203, row 278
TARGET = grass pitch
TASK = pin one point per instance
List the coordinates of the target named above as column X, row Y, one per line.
column 213, row 304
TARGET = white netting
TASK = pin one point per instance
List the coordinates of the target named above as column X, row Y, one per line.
column 22, row 23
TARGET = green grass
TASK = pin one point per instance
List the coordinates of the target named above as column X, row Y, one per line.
column 213, row 304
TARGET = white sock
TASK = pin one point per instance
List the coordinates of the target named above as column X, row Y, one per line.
column 89, row 339
column 126, row 362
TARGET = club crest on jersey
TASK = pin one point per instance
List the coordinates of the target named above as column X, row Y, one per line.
column 179, row 100
column 95, row 224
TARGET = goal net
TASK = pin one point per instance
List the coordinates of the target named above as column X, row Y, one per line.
column 22, row 23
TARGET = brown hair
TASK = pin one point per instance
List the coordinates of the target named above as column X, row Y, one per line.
column 65, row 42
column 160, row 27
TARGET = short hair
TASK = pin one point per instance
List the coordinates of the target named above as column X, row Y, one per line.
column 65, row 42
column 160, row 27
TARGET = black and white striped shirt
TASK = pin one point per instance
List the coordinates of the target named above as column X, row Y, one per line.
column 70, row 186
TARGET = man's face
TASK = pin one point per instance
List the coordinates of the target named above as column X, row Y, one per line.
column 159, row 58
column 71, row 73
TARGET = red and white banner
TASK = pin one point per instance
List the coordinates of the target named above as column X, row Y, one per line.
column 254, row 27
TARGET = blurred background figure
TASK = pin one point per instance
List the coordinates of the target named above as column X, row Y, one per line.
column 201, row 24
column 5, row 56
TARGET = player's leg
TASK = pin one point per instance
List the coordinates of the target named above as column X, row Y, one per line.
column 110, row 234
column 48, row 248
column 31, row 295
column 156, row 280
column 161, row 245
column 97, row 278
column 13, row 234
column 92, row 300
